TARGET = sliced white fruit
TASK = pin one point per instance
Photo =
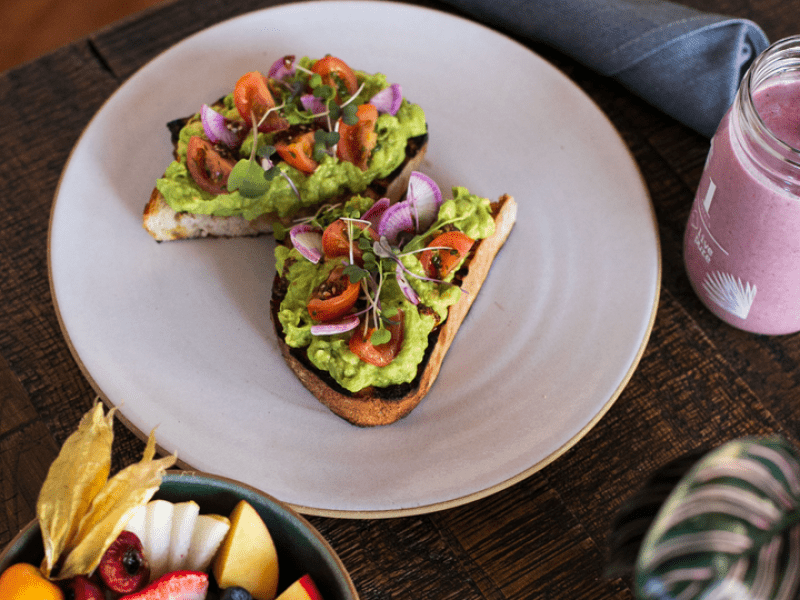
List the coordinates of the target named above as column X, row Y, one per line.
column 136, row 523
column 158, row 533
column 176, row 537
column 209, row 531
column 184, row 518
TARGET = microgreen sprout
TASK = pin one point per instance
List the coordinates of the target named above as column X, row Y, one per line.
column 321, row 212
column 250, row 178
column 326, row 141
column 384, row 249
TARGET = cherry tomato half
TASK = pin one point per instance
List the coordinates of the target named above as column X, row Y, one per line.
column 337, row 74
column 382, row 354
column 298, row 152
column 252, row 96
column 336, row 240
column 356, row 142
column 438, row 263
column 334, row 297
column 207, row 167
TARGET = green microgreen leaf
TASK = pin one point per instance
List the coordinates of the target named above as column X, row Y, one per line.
column 349, row 114
column 319, row 152
column 324, row 92
column 370, row 262
column 329, row 138
column 248, row 177
column 315, row 81
column 272, row 173
column 355, row 273
column 323, row 141
column 334, row 112
column 265, row 151
column 388, row 313
column 380, row 336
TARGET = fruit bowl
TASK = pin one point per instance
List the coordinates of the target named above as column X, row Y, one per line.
column 301, row 548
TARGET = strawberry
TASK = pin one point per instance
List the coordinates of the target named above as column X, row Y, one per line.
column 177, row 585
column 124, row 567
column 80, row 588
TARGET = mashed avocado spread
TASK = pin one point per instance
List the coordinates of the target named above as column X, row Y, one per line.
column 331, row 178
column 466, row 212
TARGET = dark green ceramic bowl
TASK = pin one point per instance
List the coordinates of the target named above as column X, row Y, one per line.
column 301, row 548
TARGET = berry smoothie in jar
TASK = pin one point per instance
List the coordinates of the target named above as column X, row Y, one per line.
column 742, row 240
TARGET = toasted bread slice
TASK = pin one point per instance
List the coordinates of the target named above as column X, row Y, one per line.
column 164, row 223
column 382, row 406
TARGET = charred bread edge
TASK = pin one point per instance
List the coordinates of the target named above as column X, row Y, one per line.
column 164, row 223
column 382, row 406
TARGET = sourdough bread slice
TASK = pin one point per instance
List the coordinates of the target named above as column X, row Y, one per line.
column 164, row 223
column 382, row 406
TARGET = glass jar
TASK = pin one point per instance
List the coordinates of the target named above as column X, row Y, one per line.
column 742, row 240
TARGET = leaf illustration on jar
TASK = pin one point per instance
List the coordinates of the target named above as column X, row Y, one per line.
column 730, row 293
column 728, row 529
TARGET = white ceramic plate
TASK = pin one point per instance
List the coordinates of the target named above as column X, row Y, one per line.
column 178, row 334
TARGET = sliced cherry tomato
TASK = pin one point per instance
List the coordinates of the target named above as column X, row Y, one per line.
column 336, row 241
column 438, row 263
column 252, row 96
column 334, row 297
column 298, row 153
column 207, row 166
column 356, row 142
column 382, row 354
column 337, row 74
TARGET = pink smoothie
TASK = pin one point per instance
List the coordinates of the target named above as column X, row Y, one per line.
column 742, row 243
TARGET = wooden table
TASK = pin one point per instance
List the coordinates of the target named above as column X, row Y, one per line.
column 699, row 382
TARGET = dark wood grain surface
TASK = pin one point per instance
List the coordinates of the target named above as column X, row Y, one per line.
column 699, row 382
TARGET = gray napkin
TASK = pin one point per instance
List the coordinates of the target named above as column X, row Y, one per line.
column 685, row 62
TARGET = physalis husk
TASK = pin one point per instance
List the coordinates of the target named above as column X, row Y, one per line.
column 80, row 511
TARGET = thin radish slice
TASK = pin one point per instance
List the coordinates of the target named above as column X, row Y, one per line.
column 346, row 324
column 398, row 218
column 308, row 241
column 408, row 291
column 283, row 67
column 215, row 127
column 388, row 100
column 375, row 212
column 425, row 197
column 313, row 104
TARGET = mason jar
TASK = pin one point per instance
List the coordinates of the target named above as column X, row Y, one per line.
column 742, row 240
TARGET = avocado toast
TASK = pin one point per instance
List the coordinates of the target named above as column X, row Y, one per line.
column 306, row 133
column 369, row 295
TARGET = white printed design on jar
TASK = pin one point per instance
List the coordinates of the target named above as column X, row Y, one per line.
column 730, row 293
column 725, row 290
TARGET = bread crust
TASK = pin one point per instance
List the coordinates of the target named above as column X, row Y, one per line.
column 382, row 406
column 164, row 223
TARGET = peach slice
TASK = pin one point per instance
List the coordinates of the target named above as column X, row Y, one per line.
column 248, row 557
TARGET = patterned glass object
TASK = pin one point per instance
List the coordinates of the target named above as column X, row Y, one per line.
column 729, row 528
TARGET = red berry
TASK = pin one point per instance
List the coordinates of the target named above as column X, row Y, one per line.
column 124, row 567
column 80, row 588
column 177, row 585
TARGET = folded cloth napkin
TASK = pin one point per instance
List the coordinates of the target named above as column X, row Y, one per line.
column 685, row 62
